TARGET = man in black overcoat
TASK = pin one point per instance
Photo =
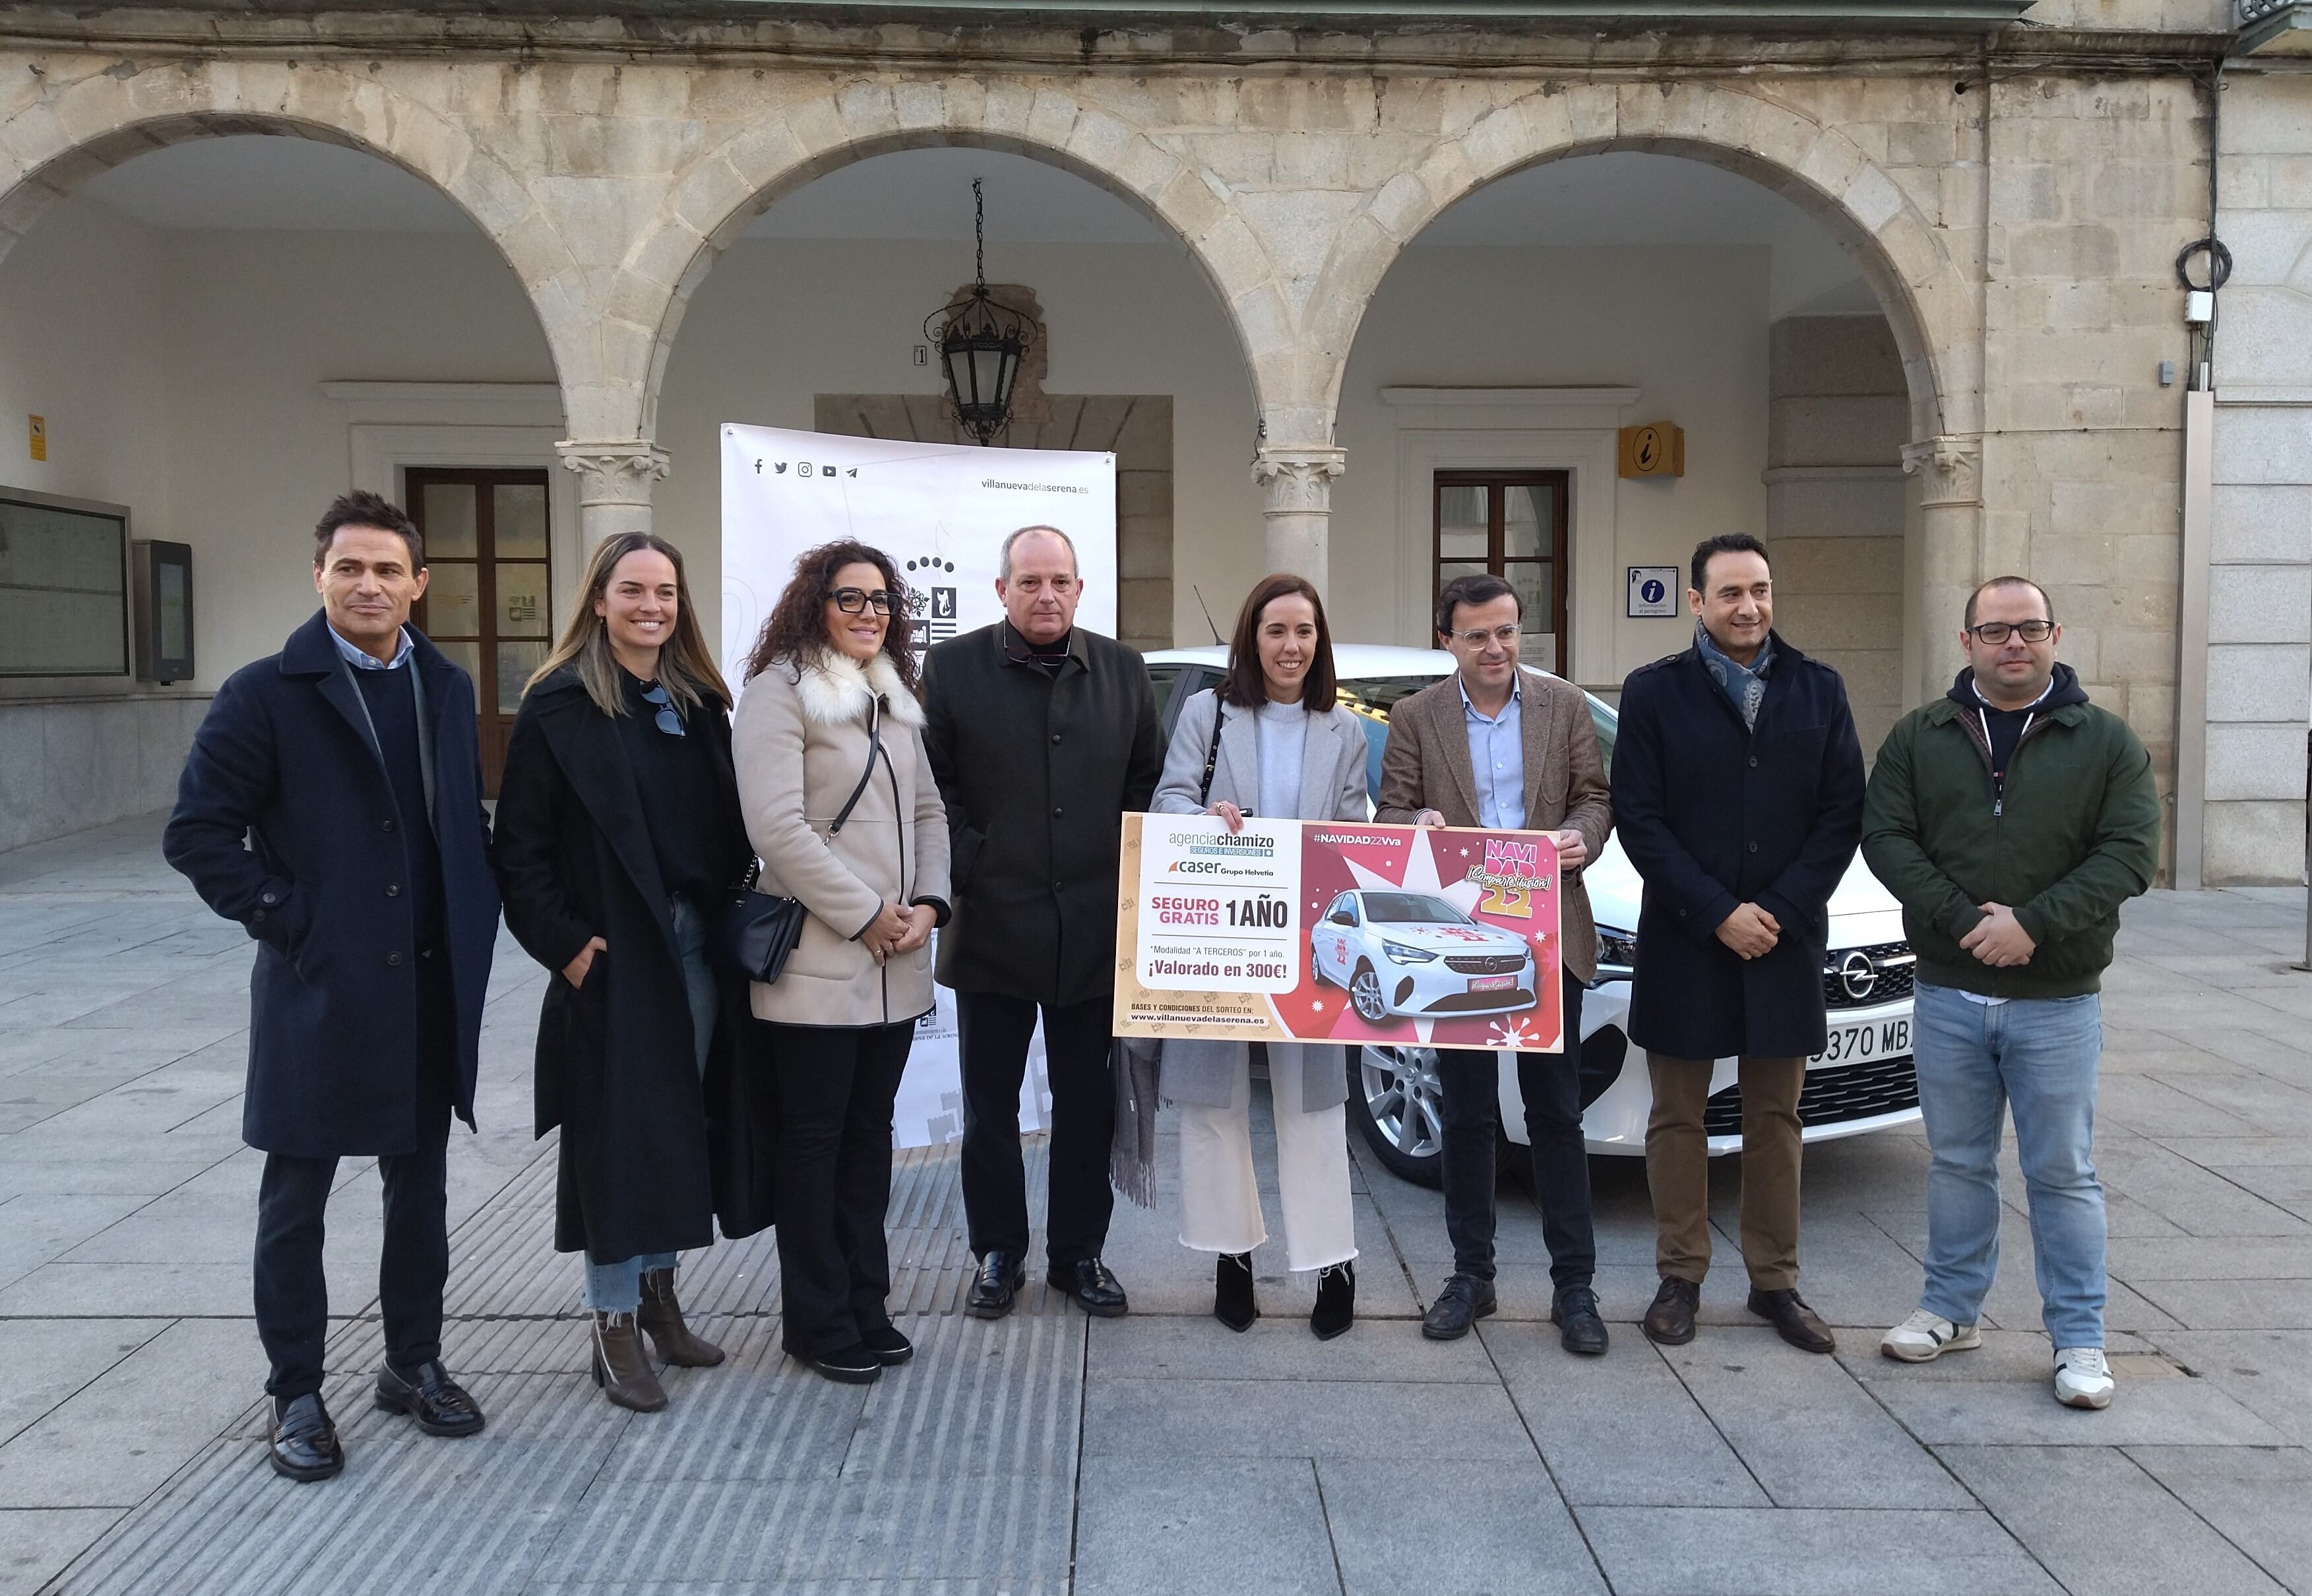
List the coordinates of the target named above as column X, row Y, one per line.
column 1737, row 792
column 1041, row 735
column 332, row 804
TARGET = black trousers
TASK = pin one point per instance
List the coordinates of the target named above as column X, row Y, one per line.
column 1551, row 1086
column 836, row 1086
column 292, row 1289
column 993, row 1031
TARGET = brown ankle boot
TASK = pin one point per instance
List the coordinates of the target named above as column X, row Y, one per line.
column 620, row 1369
column 660, row 1318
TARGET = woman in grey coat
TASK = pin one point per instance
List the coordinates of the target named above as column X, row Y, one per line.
column 1284, row 750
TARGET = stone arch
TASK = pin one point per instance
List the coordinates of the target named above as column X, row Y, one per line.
column 1925, row 294
column 713, row 199
column 50, row 145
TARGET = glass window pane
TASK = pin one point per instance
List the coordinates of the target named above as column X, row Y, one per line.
column 466, row 656
column 516, row 664
column 1532, row 580
column 446, row 517
column 1527, row 532
column 1447, row 569
column 1461, row 532
column 454, row 601
column 518, row 528
column 522, row 600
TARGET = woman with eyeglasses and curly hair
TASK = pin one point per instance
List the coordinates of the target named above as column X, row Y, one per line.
column 841, row 805
column 618, row 831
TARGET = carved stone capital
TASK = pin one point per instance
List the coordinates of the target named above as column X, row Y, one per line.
column 1950, row 469
column 1299, row 481
column 617, row 471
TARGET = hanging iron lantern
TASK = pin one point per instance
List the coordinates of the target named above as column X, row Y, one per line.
column 980, row 343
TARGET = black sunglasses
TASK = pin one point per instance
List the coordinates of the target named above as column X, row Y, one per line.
column 850, row 601
column 664, row 714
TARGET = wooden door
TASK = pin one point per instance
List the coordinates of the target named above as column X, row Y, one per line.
column 1513, row 525
column 488, row 602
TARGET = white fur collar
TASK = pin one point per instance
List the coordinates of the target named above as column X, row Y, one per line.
column 834, row 689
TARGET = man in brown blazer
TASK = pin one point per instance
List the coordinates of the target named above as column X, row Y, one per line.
column 1500, row 745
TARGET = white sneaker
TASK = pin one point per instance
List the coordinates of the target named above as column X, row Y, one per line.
column 2083, row 1379
column 1925, row 1337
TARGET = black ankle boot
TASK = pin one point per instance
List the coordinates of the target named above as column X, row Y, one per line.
column 1232, row 1302
column 1336, row 1301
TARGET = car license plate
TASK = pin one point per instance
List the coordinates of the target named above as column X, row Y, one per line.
column 1492, row 983
column 1866, row 1039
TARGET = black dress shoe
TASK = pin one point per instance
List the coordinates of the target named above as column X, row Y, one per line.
column 1001, row 1275
column 890, row 1348
column 304, row 1440
column 440, row 1405
column 850, row 1365
column 1793, row 1319
column 1095, row 1290
column 1233, row 1304
column 1580, row 1329
column 1465, row 1300
column 1669, row 1321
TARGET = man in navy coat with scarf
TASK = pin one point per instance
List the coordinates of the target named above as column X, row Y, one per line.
column 1737, row 792
column 332, row 806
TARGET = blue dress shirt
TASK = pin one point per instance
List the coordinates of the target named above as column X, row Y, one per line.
column 362, row 660
column 1497, row 757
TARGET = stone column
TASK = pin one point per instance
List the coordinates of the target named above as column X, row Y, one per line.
column 614, row 489
column 1299, row 484
column 1950, row 469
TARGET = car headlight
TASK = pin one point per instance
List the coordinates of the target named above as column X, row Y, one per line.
column 1400, row 954
column 1618, row 952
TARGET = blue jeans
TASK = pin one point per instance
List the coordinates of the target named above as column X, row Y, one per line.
column 2038, row 1056
column 617, row 1287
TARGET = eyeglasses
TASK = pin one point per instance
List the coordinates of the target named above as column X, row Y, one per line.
column 1995, row 632
column 850, row 601
column 1478, row 637
column 663, row 706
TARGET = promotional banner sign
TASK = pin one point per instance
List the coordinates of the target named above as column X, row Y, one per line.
column 941, row 512
column 1304, row 930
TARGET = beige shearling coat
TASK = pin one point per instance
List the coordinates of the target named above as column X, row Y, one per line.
column 799, row 743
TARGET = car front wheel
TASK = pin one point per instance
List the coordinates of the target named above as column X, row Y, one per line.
column 1364, row 991
column 1395, row 1099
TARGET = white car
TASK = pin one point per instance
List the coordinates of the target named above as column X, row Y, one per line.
column 1862, row 1081
column 1404, row 953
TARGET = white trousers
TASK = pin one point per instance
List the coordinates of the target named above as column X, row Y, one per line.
column 1220, row 1195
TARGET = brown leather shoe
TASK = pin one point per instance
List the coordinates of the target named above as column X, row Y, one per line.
column 1793, row 1319
column 620, row 1369
column 660, row 1318
column 1669, row 1321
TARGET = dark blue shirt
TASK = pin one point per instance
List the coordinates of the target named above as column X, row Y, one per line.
column 393, row 711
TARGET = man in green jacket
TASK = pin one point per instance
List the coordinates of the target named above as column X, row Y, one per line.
column 2012, row 818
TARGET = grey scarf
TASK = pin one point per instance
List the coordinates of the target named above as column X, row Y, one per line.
column 1744, row 685
column 1135, row 1063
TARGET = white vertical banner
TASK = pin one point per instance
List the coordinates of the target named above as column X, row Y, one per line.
column 941, row 511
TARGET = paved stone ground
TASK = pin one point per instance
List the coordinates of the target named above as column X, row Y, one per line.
column 1157, row 1452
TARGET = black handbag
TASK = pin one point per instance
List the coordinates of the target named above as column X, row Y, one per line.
column 756, row 932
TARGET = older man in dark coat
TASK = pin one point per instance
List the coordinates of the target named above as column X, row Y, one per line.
column 1737, row 791
column 332, row 806
column 1041, row 735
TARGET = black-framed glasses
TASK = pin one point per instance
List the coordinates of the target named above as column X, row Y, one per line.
column 1992, row 634
column 850, row 601
column 662, row 710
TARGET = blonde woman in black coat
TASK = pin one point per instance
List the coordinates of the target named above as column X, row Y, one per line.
column 618, row 830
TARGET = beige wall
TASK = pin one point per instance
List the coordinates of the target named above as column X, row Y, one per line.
column 1686, row 326
column 781, row 320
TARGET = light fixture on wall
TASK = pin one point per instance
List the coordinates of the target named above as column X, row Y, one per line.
column 980, row 343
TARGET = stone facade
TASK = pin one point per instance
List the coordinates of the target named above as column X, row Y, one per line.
column 2016, row 202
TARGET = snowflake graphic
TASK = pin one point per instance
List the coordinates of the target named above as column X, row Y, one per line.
column 1513, row 1033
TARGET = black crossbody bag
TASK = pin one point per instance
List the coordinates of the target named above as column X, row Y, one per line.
column 756, row 932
